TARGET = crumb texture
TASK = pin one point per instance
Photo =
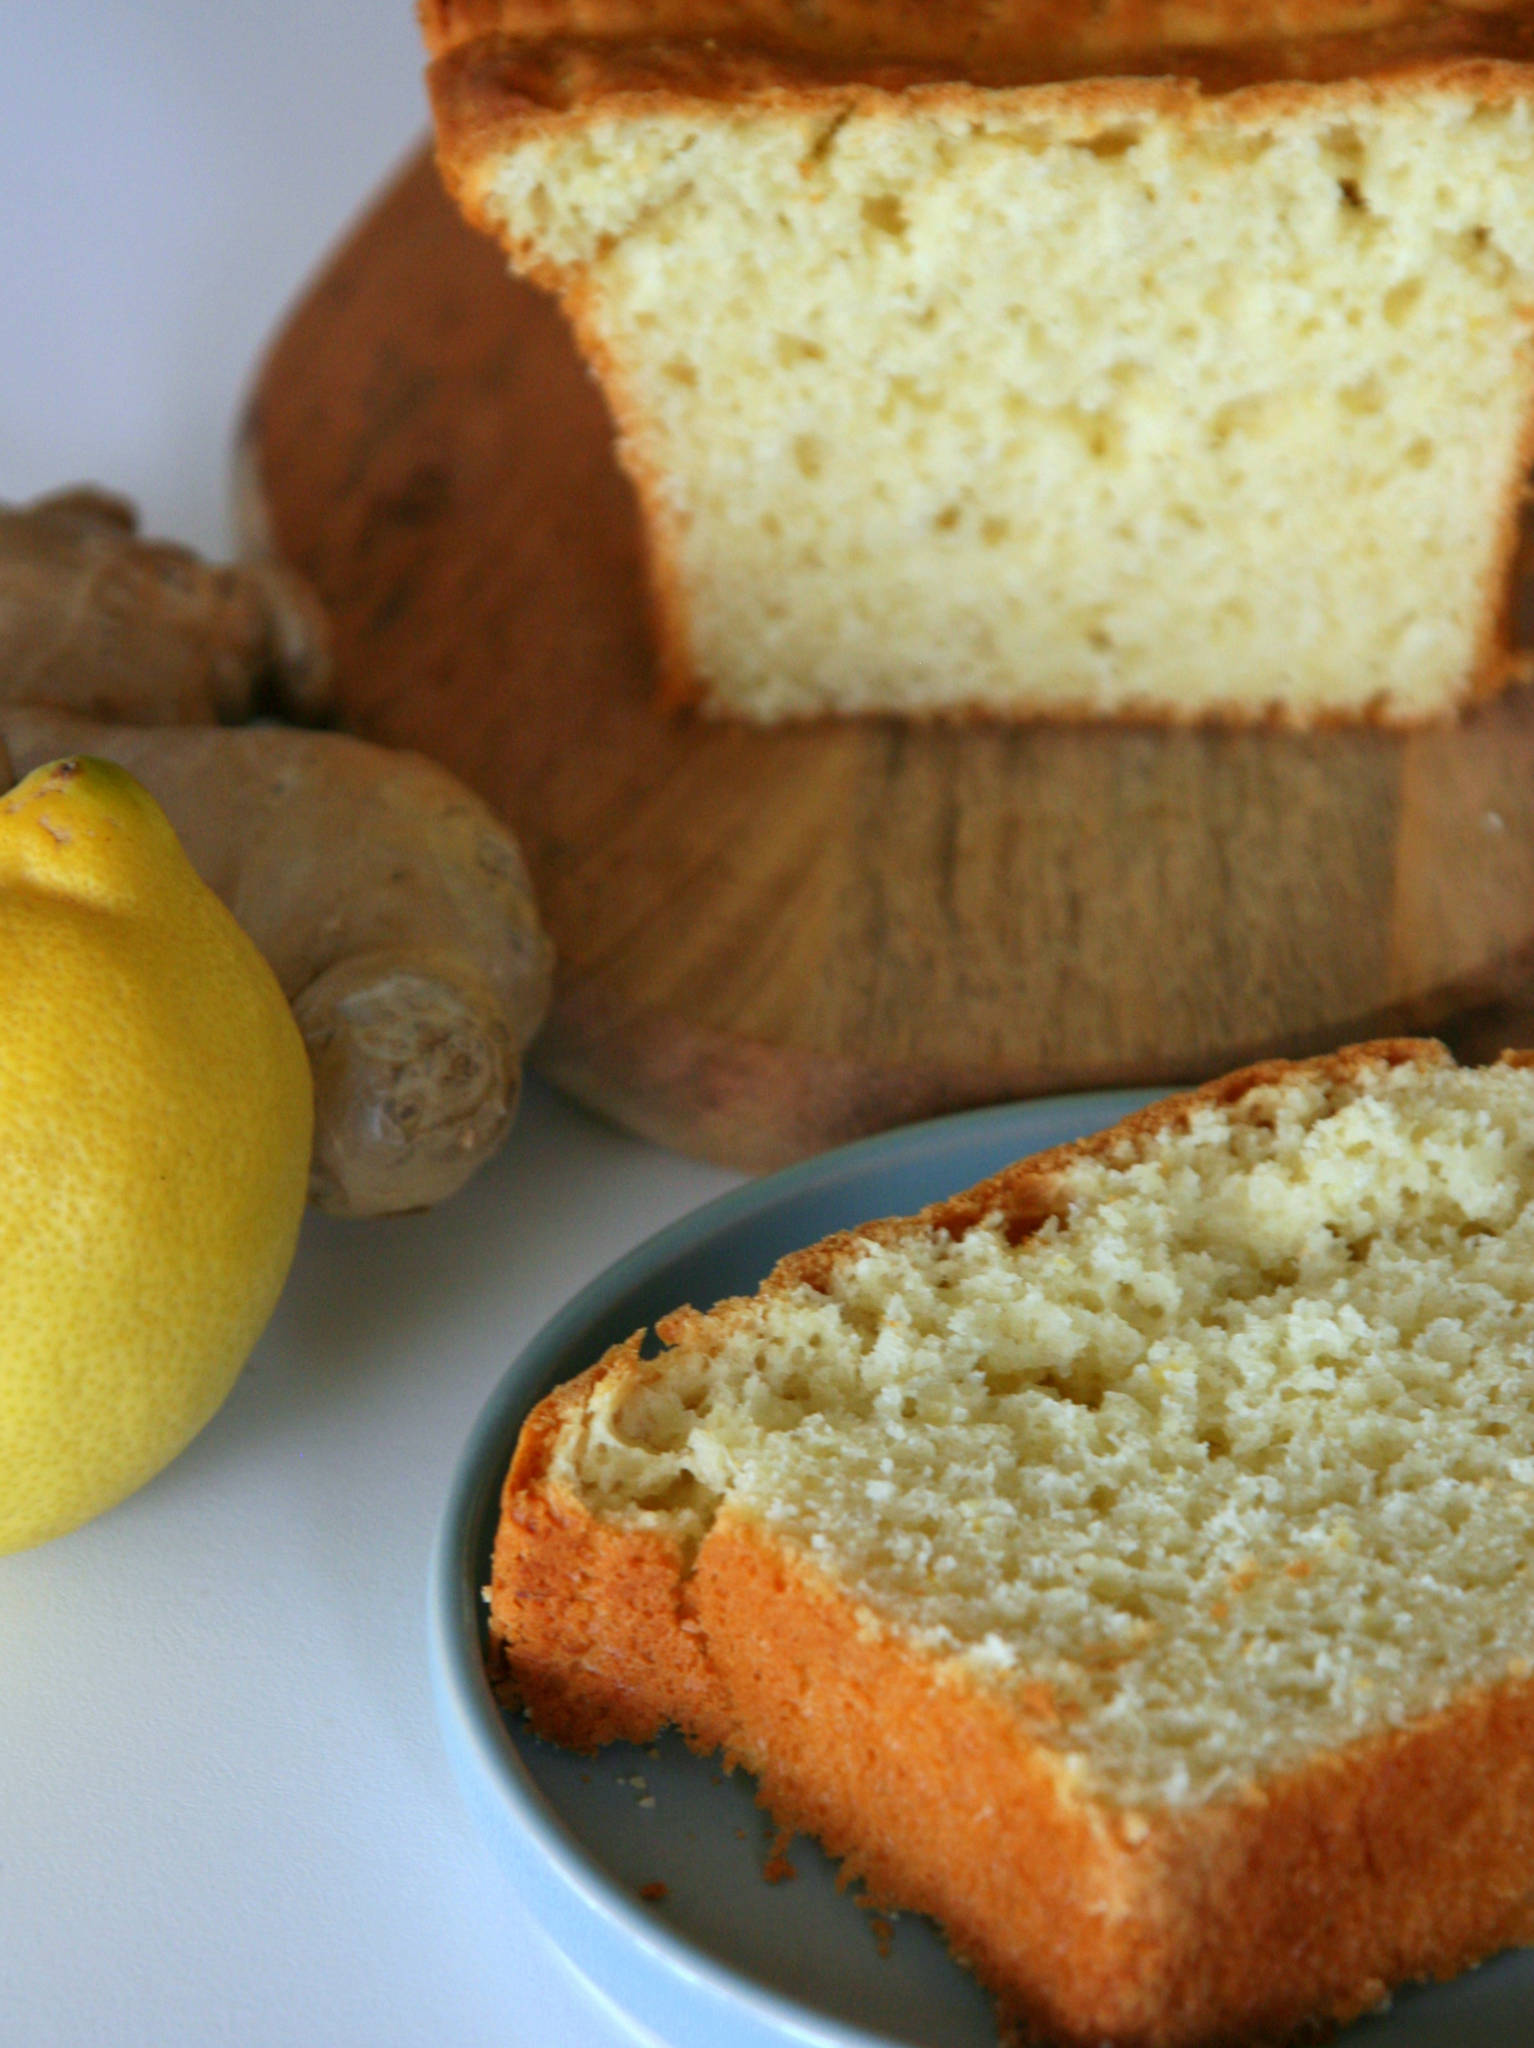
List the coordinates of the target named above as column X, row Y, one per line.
column 1024, row 401
column 1231, row 1463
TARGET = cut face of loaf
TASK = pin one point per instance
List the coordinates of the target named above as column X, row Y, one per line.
column 1079, row 396
column 1130, row 1562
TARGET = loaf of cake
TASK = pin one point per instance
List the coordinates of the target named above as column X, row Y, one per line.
column 1129, row 1562
column 1158, row 358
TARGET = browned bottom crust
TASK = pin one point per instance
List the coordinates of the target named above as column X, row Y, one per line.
column 1409, row 1855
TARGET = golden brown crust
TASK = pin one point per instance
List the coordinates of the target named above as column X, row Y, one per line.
column 490, row 90
column 908, row 23
column 504, row 69
column 1018, row 41
column 603, row 1648
column 1025, row 1194
column 1405, row 1856
column 1408, row 1854
column 494, row 84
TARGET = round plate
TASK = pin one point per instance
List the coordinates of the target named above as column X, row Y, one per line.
column 651, row 1869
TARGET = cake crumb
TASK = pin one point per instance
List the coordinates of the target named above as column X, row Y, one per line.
column 777, row 1869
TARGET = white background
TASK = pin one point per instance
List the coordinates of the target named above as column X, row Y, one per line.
column 225, row 1814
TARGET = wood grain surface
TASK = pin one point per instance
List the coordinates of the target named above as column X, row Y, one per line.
column 772, row 941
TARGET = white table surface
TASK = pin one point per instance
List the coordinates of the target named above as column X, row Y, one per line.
column 225, row 1814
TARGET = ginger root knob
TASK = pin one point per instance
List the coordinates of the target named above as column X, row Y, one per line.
column 94, row 618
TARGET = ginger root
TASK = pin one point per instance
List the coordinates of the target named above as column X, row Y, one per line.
column 396, row 912
column 96, row 619
column 393, row 906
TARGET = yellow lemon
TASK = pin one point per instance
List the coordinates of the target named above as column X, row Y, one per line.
column 155, row 1122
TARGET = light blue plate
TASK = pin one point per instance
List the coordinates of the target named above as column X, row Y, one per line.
column 721, row 1958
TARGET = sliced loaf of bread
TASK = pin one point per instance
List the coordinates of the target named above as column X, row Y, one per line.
column 1008, row 359
column 1129, row 1561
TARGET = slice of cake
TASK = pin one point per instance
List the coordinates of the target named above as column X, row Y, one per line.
column 1005, row 359
column 1129, row 1562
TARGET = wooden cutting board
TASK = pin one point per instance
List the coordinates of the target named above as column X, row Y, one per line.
column 771, row 941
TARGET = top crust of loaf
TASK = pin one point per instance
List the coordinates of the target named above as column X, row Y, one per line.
column 491, row 89
column 1020, row 41
column 503, row 64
